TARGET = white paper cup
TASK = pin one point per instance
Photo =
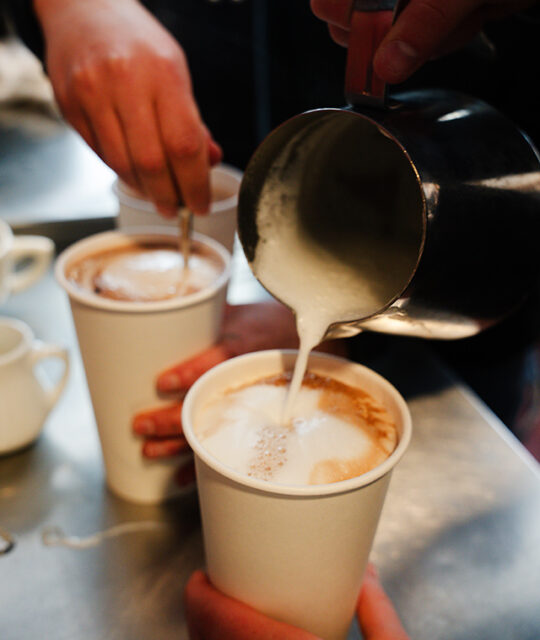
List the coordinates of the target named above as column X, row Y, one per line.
column 219, row 224
column 295, row 553
column 124, row 346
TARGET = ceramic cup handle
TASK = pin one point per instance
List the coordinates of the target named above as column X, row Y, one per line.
column 38, row 251
column 43, row 351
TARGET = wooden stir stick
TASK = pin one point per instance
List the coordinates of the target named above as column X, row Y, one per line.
column 185, row 221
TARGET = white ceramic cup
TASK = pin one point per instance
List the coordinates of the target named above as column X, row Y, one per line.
column 26, row 399
column 124, row 346
column 23, row 260
column 219, row 224
column 295, row 553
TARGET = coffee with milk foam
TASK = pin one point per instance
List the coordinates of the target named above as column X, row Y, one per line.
column 145, row 272
column 334, row 432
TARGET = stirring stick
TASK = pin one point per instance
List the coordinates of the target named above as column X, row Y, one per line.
column 185, row 220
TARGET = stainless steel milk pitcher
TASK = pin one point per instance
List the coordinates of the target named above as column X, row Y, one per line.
column 433, row 196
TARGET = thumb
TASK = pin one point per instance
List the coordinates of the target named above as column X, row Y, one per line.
column 418, row 33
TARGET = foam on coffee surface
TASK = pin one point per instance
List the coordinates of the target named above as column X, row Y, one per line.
column 145, row 272
column 335, row 432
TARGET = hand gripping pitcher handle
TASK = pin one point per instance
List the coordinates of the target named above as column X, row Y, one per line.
column 370, row 22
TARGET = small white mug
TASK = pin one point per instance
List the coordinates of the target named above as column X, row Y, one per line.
column 23, row 260
column 25, row 401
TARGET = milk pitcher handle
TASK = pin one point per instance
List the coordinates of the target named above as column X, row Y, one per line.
column 370, row 22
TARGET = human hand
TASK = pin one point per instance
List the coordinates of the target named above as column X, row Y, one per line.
column 122, row 81
column 246, row 328
column 425, row 29
column 211, row 615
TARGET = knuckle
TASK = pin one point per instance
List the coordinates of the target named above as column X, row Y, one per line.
column 89, row 77
column 185, row 145
column 169, row 67
column 150, row 164
column 85, row 80
column 118, row 66
column 171, row 61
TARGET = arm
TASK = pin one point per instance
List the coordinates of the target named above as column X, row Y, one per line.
column 122, row 81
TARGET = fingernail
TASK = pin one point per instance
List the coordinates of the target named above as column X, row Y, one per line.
column 170, row 382
column 398, row 59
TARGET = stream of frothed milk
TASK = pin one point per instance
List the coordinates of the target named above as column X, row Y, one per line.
column 341, row 254
column 314, row 283
column 339, row 226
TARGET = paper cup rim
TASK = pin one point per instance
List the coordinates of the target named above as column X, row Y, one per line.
column 216, row 206
column 333, row 488
column 122, row 306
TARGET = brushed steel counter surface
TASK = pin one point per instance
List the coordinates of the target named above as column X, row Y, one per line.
column 458, row 546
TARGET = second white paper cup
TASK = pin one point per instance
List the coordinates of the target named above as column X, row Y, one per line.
column 124, row 346
column 295, row 553
column 219, row 223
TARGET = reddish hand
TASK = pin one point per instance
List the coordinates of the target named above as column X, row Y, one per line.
column 424, row 30
column 161, row 430
column 211, row 615
column 246, row 328
column 123, row 82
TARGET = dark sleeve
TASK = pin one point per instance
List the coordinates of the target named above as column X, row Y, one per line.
column 20, row 14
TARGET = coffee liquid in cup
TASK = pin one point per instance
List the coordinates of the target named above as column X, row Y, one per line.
column 145, row 272
column 334, row 432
